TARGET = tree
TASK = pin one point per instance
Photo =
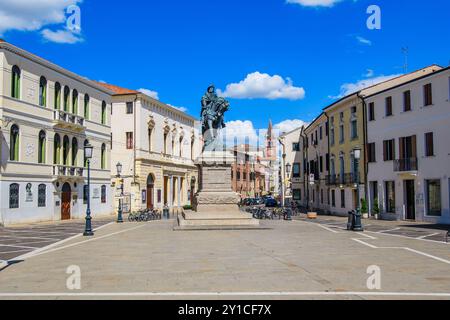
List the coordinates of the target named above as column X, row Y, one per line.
column 364, row 208
column 376, row 207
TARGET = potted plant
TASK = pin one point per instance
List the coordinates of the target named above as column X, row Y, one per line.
column 376, row 209
column 364, row 209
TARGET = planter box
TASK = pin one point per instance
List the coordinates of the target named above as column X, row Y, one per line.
column 312, row 215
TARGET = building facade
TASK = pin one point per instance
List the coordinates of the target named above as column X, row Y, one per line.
column 346, row 173
column 157, row 146
column 317, row 165
column 409, row 163
column 47, row 116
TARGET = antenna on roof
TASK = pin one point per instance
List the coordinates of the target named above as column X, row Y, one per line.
column 405, row 51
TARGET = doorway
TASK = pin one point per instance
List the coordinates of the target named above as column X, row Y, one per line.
column 150, row 192
column 410, row 201
column 66, row 197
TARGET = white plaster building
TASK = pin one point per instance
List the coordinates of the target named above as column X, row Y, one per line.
column 47, row 114
column 408, row 129
column 293, row 153
column 157, row 146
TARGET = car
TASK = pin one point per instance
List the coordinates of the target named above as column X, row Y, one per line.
column 271, row 203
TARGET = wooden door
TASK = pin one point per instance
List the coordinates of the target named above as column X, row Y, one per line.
column 150, row 190
column 65, row 202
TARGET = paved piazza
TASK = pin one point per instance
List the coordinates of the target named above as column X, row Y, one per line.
column 292, row 260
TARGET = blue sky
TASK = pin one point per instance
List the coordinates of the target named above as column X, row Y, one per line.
column 296, row 57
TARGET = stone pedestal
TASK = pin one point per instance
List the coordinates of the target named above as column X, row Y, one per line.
column 216, row 204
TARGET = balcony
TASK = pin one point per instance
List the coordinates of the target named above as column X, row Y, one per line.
column 63, row 119
column 61, row 171
column 406, row 165
column 332, row 180
column 351, row 179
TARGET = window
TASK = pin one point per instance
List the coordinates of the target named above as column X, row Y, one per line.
column 66, row 150
column 14, row 143
column 103, row 194
column 434, row 198
column 297, row 194
column 320, row 133
column 389, row 106
column 41, row 151
column 389, row 150
column 57, row 96
column 75, row 102
column 85, row 194
column 129, row 107
column 14, row 196
column 296, row 147
column 239, row 175
column 371, row 111
column 85, row 160
column 75, row 152
column 407, row 101
column 42, row 195
column 371, row 153
column 341, row 116
column 327, row 128
column 103, row 112
column 333, row 198
column 181, row 147
column 86, row 106
column 343, row 199
column 103, row 157
column 390, row 196
column 354, row 111
column 66, row 99
column 321, row 164
column 428, row 94
column 165, row 142
column 321, row 196
column 150, row 136
column 192, row 148
column 296, row 170
column 57, row 149
column 129, row 140
column 43, row 92
column 15, row 82
column 332, row 141
column 341, row 134
column 429, row 144
column 354, row 129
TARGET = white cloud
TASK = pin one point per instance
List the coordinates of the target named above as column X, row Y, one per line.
column 314, row 3
column 243, row 131
column 364, row 40
column 349, row 88
column 150, row 93
column 32, row 15
column 289, row 125
column 182, row 109
column 61, row 36
column 263, row 86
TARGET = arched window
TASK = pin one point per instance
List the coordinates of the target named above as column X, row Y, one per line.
column 14, row 196
column 103, row 112
column 66, row 148
column 66, row 99
column 150, row 137
column 15, row 82
column 85, row 160
column 103, row 157
column 57, row 150
column 43, row 92
column 75, row 102
column 192, row 148
column 75, row 152
column 86, row 106
column 181, row 147
column 14, row 143
column 57, row 96
column 42, row 195
column 42, row 149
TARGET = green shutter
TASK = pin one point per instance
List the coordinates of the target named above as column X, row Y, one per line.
column 16, row 147
column 75, row 104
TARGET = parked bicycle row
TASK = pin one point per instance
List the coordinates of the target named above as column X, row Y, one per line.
column 145, row 216
column 262, row 213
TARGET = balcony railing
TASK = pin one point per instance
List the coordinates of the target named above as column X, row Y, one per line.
column 68, row 171
column 67, row 119
column 406, row 165
column 332, row 180
column 351, row 178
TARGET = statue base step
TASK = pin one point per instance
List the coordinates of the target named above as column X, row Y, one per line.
column 217, row 221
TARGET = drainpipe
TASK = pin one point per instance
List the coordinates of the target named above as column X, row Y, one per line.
column 134, row 140
column 329, row 160
column 283, row 177
column 366, row 163
column 305, row 161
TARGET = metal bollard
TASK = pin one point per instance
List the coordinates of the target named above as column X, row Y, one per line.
column 357, row 222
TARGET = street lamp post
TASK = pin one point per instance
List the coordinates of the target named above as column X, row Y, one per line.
column 358, row 224
column 88, row 150
column 120, row 209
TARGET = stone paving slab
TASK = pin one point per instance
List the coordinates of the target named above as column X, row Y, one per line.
column 297, row 256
